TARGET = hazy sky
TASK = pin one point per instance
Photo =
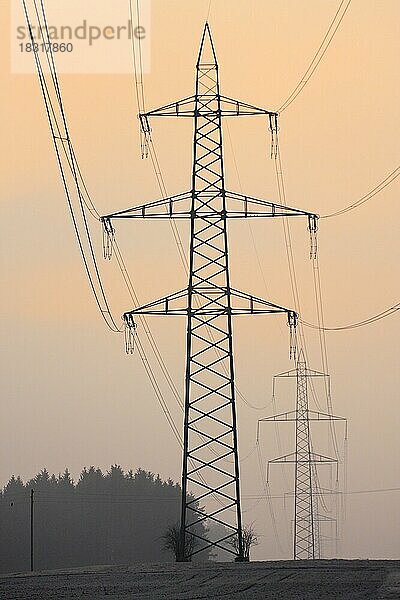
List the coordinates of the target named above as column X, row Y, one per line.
column 70, row 397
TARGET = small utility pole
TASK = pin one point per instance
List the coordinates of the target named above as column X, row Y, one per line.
column 32, row 526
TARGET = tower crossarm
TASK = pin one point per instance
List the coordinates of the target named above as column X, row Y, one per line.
column 176, row 207
column 236, row 206
column 242, row 205
column 313, row 415
column 180, row 108
column 324, row 518
column 292, row 458
column 228, row 107
column 314, row 458
column 242, row 304
column 321, row 492
column 291, row 416
column 286, row 416
column 307, row 373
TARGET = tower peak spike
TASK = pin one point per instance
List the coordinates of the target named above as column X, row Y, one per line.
column 301, row 357
column 207, row 50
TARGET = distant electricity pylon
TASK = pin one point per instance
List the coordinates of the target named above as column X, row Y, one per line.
column 210, row 446
column 306, row 538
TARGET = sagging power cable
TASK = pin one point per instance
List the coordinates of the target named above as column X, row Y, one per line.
column 381, row 315
column 378, row 188
column 318, row 56
column 63, row 147
column 60, row 132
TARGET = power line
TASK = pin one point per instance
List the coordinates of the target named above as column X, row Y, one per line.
column 209, row 10
column 126, row 497
column 93, row 210
column 61, row 137
column 381, row 186
column 318, row 56
column 382, row 315
column 268, row 498
column 323, row 347
column 87, row 202
column 339, row 15
column 348, row 493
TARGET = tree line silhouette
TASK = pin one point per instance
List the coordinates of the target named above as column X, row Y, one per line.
column 103, row 518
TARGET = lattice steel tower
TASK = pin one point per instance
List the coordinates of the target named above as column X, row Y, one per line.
column 210, row 444
column 306, row 539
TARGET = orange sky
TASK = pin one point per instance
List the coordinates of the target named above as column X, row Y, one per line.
column 70, row 397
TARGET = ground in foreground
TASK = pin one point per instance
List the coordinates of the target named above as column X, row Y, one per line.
column 286, row 580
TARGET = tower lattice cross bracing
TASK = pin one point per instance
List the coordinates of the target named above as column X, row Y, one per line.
column 210, row 472
column 304, row 517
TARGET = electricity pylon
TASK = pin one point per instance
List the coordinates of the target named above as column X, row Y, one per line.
column 306, row 539
column 210, row 444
